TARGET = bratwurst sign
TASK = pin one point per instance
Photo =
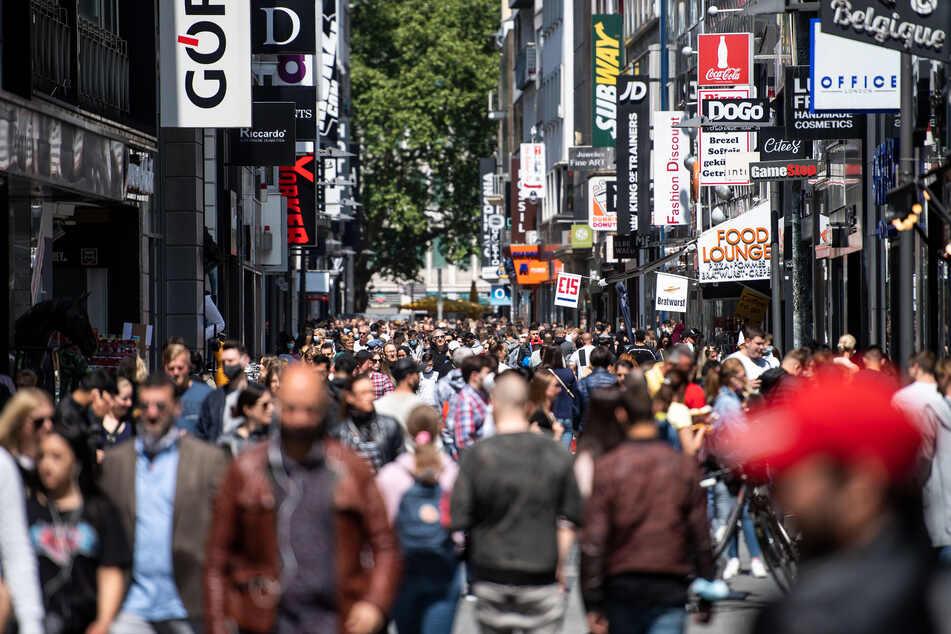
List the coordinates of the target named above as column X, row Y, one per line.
column 736, row 250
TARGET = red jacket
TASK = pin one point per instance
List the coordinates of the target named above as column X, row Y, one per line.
column 242, row 564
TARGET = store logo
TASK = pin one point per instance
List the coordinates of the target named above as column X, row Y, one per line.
column 262, row 135
column 724, row 59
column 269, row 39
column 743, row 110
column 284, row 26
column 210, row 58
column 606, row 65
column 783, row 170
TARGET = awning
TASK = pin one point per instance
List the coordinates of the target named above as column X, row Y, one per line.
column 652, row 266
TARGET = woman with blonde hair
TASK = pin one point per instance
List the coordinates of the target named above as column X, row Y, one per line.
column 416, row 489
column 27, row 416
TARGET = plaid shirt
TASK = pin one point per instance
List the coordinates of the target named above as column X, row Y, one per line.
column 382, row 384
column 466, row 414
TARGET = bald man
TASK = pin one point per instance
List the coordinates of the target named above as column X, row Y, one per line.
column 289, row 507
column 517, row 498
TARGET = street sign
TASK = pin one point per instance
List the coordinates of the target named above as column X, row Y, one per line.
column 918, row 27
column 305, row 109
column 568, row 290
column 736, row 114
column 803, row 123
column 671, row 177
column 774, row 144
column 633, row 152
column 607, row 52
column 584, row 158
column 724, row 156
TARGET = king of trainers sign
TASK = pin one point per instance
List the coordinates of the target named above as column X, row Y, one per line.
column 912, row 26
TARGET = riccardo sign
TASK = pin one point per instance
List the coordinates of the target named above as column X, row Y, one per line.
column 919, row 27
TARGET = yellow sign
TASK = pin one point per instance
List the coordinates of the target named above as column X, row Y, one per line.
column 752, row 306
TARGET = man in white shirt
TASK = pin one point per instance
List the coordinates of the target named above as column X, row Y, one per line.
column 402, row 400
column 750, row 355
column 580, row 361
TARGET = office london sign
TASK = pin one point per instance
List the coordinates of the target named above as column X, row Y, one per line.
column 913, row 26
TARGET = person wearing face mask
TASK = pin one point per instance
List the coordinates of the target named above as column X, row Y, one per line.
column 155, row 481
column 217, row 409
column 468, row 408
column 402, row 400
column 415, row 345
column 428, row 380
column 376, row 437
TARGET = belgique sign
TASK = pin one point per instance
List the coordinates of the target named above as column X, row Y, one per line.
column 783, row 170
column 919, row 27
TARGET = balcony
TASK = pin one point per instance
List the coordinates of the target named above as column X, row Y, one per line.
column 526, row 66
column 93, row 74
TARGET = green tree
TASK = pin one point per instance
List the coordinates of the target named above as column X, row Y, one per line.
column 420, row 72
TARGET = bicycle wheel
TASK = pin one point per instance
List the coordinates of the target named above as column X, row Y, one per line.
column 732, row 524
column 777, row 550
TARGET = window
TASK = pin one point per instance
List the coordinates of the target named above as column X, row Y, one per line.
column 102, row 13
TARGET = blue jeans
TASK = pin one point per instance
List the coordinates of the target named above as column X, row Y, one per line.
column 749, row 535
column 426, row 604
column 624, row 618
column 568, row 434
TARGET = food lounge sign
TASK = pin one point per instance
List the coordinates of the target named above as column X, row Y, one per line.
column 738, row 249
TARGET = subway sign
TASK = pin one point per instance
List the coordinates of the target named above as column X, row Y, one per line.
column 783, row 170
column 606, row 65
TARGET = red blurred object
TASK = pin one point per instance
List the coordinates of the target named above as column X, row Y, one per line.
column 850, row 422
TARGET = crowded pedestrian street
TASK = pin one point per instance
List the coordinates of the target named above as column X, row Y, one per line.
column 475, row 317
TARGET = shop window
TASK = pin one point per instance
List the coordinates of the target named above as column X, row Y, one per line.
column 103, row 13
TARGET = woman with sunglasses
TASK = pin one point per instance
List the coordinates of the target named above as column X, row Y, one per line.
column 81, row 549
column 28, row 415
column 255, row 408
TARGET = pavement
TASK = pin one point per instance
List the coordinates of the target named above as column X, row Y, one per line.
column 729, row 617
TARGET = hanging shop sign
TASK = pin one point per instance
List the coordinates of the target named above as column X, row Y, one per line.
column 803, row 123
column 492, row 221
column 724, row 156
column 140, row 175
column 305, row 106
column 205, row 64
column 532, row 164
column 633, row 150
column 919, row 27
column 606, row 65
column 269, row 141
column 524, row 209
column 671, row 177
column 296, row 184
column 671, row 293
column 584, row 158
column 581, row 237
column 328, row 107
column 736, row 250
column 774, row 144
column 742, row 114
column 725, row 59
column 789, row 170
column 568, row 290
column 752, row 306
column 531, row 266
column 851, row 76
column 283, row 26
column 500, row 296
column 625, row 247
column 602, row 203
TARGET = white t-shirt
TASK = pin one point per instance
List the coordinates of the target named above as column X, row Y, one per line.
column 575, row 358
column 754, row 368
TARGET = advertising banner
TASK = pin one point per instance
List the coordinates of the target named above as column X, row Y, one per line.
column 788, row 170
column 671, row 293
column 296, row 184
column 523, row 211
column 492, row 222
column 850, row 76
column 803, row 123
column 725, row 59
column 531, row 266
column 736, row 250
column 919, row 27
column 284, row 26
column 305, row 106
column 671, row 178
column 737, row 114
column 568, row 290
column 500, row 296
column 774, row 144
column 581, row 237
column 602, row 203
column 724, row 156
column 606, row 63
column 269, row 141
column 633, row 150
column 206, row 74
column 328, row 107
column 532, row 164
column 625, row 247
column 584, row 158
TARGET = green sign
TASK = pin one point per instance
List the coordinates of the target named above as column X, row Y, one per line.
column 581, row 237
column 606, row 65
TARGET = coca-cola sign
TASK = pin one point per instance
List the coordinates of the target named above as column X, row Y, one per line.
column 725, row 59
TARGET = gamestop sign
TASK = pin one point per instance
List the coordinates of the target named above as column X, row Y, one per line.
column 205, row 57
column 725, row 59
column 736, row 250
column 783, row 170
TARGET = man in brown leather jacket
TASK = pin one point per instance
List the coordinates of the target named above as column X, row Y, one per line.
column 294, row 528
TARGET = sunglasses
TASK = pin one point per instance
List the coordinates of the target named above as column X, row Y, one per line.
column 38, row 421
column 161, row 406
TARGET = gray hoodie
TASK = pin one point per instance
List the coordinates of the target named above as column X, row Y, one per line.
column 16, row 553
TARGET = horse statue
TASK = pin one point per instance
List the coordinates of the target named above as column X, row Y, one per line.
column 59, row 367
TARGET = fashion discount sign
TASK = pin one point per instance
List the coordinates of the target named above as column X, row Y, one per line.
column 205, row 63
column 671, row 178
column 736, row 250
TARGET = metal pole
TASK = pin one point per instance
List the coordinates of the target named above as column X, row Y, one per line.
column 904, row 311
column 302, row 291
column 775, row 266
column 439, row 294
column 797, row 285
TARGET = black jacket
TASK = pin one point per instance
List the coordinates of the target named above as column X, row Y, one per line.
column 378, row 439
column 211, row 420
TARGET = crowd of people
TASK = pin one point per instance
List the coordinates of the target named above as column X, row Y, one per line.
column 374, row 473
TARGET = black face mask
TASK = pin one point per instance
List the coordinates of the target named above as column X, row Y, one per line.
column 303, row 434
column 233, row 371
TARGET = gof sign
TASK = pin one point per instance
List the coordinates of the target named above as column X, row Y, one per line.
column 568, row 290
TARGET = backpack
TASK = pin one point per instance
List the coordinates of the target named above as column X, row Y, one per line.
column 426, row 544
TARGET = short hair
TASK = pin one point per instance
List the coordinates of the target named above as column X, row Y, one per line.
column 460, row 355
column 925, row 361
column 173, row 351
column 158, row 381
column 601, row 357
column 798, row 354
column 321, row 359
column 510, row 392
column 752, row 332
column 346, row 363
column 470, row 364
column 846, row 342
column 102, row 381
column 640, row 335
column 874, row 352
column 233, row 344
column 625, row 363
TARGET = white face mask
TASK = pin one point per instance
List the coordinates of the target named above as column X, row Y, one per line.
column 488, row 382
column 570, row 337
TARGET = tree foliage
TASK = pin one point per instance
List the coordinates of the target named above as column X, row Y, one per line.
column 420, row 73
